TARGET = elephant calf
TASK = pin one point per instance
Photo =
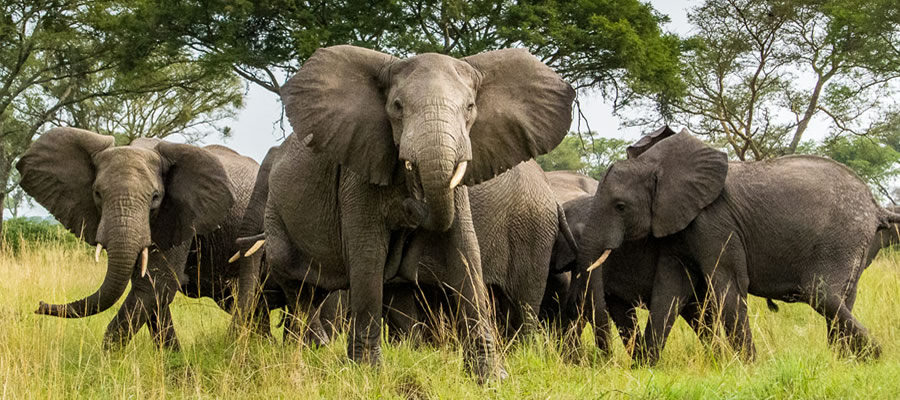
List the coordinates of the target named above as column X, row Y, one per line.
column 167, row 214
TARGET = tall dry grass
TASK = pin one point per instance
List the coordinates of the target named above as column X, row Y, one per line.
column 45, row 357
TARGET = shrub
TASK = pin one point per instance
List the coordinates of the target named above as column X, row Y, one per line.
column 34, row 231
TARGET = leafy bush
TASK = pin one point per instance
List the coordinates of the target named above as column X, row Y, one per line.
column 34, row 231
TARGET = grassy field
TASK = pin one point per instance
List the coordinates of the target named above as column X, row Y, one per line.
column 44, row 357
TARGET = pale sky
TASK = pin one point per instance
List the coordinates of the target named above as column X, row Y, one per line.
column 255, row 129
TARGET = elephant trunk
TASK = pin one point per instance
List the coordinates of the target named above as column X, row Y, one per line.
column 437, row 165
column 124, row 246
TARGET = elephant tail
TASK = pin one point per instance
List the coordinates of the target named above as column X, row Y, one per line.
column 772, row 306
column 887, row 219
column 564, row 228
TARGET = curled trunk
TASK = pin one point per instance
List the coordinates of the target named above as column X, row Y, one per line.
column 123, row 247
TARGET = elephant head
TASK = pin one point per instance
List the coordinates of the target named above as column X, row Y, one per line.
column 667, row 179
column 123, row 198
column 431, row 121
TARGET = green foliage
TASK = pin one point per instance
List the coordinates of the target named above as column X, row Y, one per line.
column 613, row 45
column 36, row 232
column 759, row 72
column 586, row 153
column 875, row 162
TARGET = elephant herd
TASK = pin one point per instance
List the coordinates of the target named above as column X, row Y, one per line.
column 407, row 189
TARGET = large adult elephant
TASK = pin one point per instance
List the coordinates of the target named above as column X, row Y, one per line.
column 166, row 213
column 796, row 228
column 375, row 135
column 517, row 220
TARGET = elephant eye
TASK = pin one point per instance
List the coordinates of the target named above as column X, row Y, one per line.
column 97, row 195
column 620, row 207
column 398, row 107
column 470, row 107
column 155, row 198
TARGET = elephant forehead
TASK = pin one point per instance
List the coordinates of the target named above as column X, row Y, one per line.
column 431, row 65
column 128, row 161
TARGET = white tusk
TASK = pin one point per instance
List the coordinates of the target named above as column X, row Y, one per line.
column 255, row 247
column 144, row 255
column 234, row 257
column 408, row 166
column 97, row 252
column 458, row 175
column 599, row 260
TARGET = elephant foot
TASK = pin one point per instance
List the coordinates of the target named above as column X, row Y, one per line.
column 363, row 354
column 861, row 347
column 316, row 337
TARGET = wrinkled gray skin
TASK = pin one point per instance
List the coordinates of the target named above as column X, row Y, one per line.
column 375, row 137
column 796, row 228
column 627, row 275
column 150, row 194
column 517, row 220
column 567, row 186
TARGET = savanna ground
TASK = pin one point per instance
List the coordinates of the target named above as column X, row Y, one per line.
column 44, row 357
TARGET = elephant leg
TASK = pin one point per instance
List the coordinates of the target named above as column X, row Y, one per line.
column 333, row 312
column 249, row 291
column 162, row 330
column 149, row 296
column 671, row 290
column 624, row 316
column 700, row 320
column 402, row 314
column 467, row 283
column 845, row 332
column 304, row 299
column 365, row 240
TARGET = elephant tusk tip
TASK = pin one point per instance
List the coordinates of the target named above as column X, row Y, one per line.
column 255, row 247
column 144, row 256
column 97, row 253
column 600, row 260
column 235, row 257
column 458, row 174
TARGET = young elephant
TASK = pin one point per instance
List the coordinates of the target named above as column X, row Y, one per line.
column 627, row 274
column 373, row 133
column 796, row 228
column 144, row 203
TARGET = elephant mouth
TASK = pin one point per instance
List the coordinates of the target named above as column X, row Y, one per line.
column 414, row 182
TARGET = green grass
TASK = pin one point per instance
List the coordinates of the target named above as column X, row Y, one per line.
column 44, row 357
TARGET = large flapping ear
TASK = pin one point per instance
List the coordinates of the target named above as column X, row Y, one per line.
column 689, row 176
column 646, row 142
column 338, row 97
column 524, row 109
column 58, row 171
column 198, row 194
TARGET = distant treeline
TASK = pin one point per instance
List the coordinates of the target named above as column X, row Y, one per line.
column 24, row 231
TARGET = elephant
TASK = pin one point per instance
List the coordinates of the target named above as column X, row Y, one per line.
column 567, row 186
column 379, row 139
column 166, row 213
column 517, row 220
column 627, row 273
column 745, row 228
column 885, row 238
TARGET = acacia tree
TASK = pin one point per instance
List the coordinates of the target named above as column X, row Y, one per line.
column 612, row 45
column 759, row 72
column 58, row 58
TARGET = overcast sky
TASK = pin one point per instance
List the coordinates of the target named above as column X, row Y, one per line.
column 256, row 129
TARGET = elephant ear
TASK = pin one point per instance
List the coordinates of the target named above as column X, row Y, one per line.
column 338, row 98
column 646, row 142
column 524, row 109
column 58, row 171
column 689, row 176
column 198, row 194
